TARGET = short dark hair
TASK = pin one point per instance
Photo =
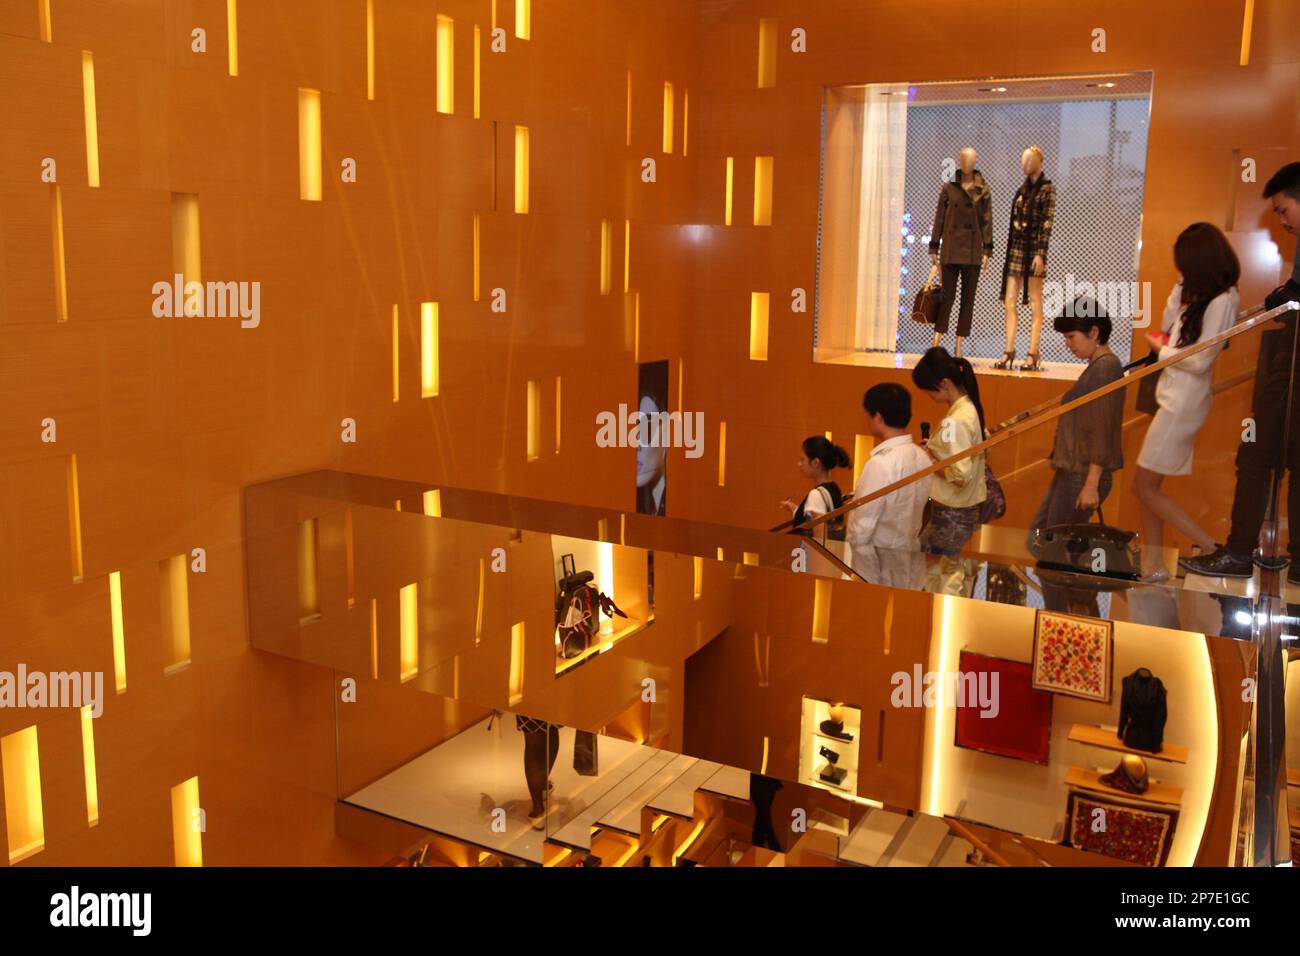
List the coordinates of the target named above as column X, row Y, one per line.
column 1082, row 315
column 1285, row 180
column 891, row 402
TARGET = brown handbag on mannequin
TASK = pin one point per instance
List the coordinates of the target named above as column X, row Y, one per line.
column 926, row 307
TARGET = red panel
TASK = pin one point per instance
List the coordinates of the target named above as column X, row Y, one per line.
column 1023, row 725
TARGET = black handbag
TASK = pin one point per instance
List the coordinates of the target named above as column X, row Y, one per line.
column 1073, row 548
column 926, row 307
column 1146, row 390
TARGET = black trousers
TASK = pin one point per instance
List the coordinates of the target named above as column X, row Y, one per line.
column 541, row 747
column 1256, row 463
column 970, row 275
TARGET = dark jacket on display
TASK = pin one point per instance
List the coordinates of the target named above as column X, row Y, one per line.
column 1142, row 711
column 1032, row 214
column 964, row 222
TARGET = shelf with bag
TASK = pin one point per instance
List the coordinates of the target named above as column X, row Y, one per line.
column 601, row 598
column 826, row 758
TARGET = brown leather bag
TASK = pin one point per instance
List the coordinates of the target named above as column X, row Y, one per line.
column 926, row 307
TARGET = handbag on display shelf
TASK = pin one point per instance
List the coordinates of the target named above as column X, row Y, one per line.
column 1078, row 548
column 926, row 307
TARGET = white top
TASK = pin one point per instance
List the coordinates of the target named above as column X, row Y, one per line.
column 961, row 485
column 893, row 521
column 1187, row 385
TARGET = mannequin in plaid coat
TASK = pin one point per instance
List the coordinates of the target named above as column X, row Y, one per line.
column 1032, row 216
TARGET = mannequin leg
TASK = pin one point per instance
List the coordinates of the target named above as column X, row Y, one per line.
column 970, row 275
column 936, row 340
column 957, row 348
column 1036, row 309
column 1009, row 304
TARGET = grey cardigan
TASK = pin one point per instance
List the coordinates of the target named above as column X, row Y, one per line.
column 963, row 222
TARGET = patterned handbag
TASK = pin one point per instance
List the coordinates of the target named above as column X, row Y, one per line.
column 994, row 505
column 926, row 307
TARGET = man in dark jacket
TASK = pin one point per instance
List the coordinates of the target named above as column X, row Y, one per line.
column 1271, row 449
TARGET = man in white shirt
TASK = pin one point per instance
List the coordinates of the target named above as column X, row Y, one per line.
column 883, row 534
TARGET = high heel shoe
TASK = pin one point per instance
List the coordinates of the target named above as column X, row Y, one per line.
column 1033, row 363
column 1006, row 362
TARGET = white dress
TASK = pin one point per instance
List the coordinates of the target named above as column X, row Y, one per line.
column 1185, row 389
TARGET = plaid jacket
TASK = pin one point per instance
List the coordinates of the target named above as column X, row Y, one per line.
column 1032, row 215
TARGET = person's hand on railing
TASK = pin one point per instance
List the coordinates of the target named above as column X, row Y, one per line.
column 790, row 505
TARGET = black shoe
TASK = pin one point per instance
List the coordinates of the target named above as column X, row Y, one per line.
column 1293, row 576
column 1272, row 564
column 832, row 729
column 1220, row 564
column 829, row 754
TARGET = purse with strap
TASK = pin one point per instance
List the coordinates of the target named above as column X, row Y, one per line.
column 1098, row 556
column 926, row 307
column 994, row 505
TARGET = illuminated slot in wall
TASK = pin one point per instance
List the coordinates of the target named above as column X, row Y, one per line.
column 88, row 765
column 681, row 380
column 477, row 252
column 374, row 639
column 722, row 454
column 309, row 148
column 636, row 326
column 521, row 169
column 494, row 14
column 699, row 577
column 686, row 121
column 558, row 416
column 763, row 190
column 668, row 117
column 60, row 263
column 1247, row 23
column 433, row 503
column 767, row 745
column 174, row 608
column 92, row 119
column 397, row 354
column 759, row 303
column 47, row 25
column 478, row 71
column 523, row 19
column 627, row 255
column 308, row 575
column 731, row 184
column 119, row 631
column 516, row 663
column 20, row 763
column 606, row 255
column 720, row 554
column 821, row 623
column 750, row 558
column 74, row 519
column 862, row 445
column 187, row 255
column 349, row 557
column 232, row 37
column 628, row 138
column 428, row 349
column 482, row 592
column 187, row 824
column 370, row 49
column 534, row 420
column 446, row 64
column 409, row 621
column 766, row 53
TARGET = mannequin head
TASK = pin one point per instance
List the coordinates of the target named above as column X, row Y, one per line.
column 1031, row 161
column 968, row 160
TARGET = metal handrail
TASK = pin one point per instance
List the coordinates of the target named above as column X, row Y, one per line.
column 1009, row 431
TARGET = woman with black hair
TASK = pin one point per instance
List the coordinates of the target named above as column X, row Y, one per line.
column 957, row 491
column 820, row 457
column 1202, row 305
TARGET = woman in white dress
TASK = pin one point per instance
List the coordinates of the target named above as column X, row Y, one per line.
column 1203, row 304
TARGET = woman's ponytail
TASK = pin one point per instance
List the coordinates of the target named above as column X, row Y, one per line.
column 972, row 386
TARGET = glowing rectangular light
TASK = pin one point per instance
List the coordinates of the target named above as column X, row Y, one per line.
column 409, row 619
column 349, row 557
column 558, row 416
column 308, row 579
column 699, row 577
column 428, row 349
column 763, row 190
column 862, row 445
column 606, row 255
column 627, row 255
column 686, row 121
column 759, row 304
column 119, row 631
column 309, row 145
column 722, row 454
column 821, row 623
column 446, row 64
column 433, row 503
column 478, row 71
column 397, row 354
column 20, row 764
column 187, row 824
column 374, row 639
column 477, row 261
column 60, row 263
column 668, row 117
column 174, row 609
column 74, row 518
column 92, row 120
column 534, row 420
column 521, row 169
column 482, row 590
column 370, row 49
column 730, row 188
column 88, row 765
column 187, row 255
column 628, row 138
column 232, row 37
column 47, row 27
column 523, row 19
column 766, row 53
column 1247, row 23
column 516, row 663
